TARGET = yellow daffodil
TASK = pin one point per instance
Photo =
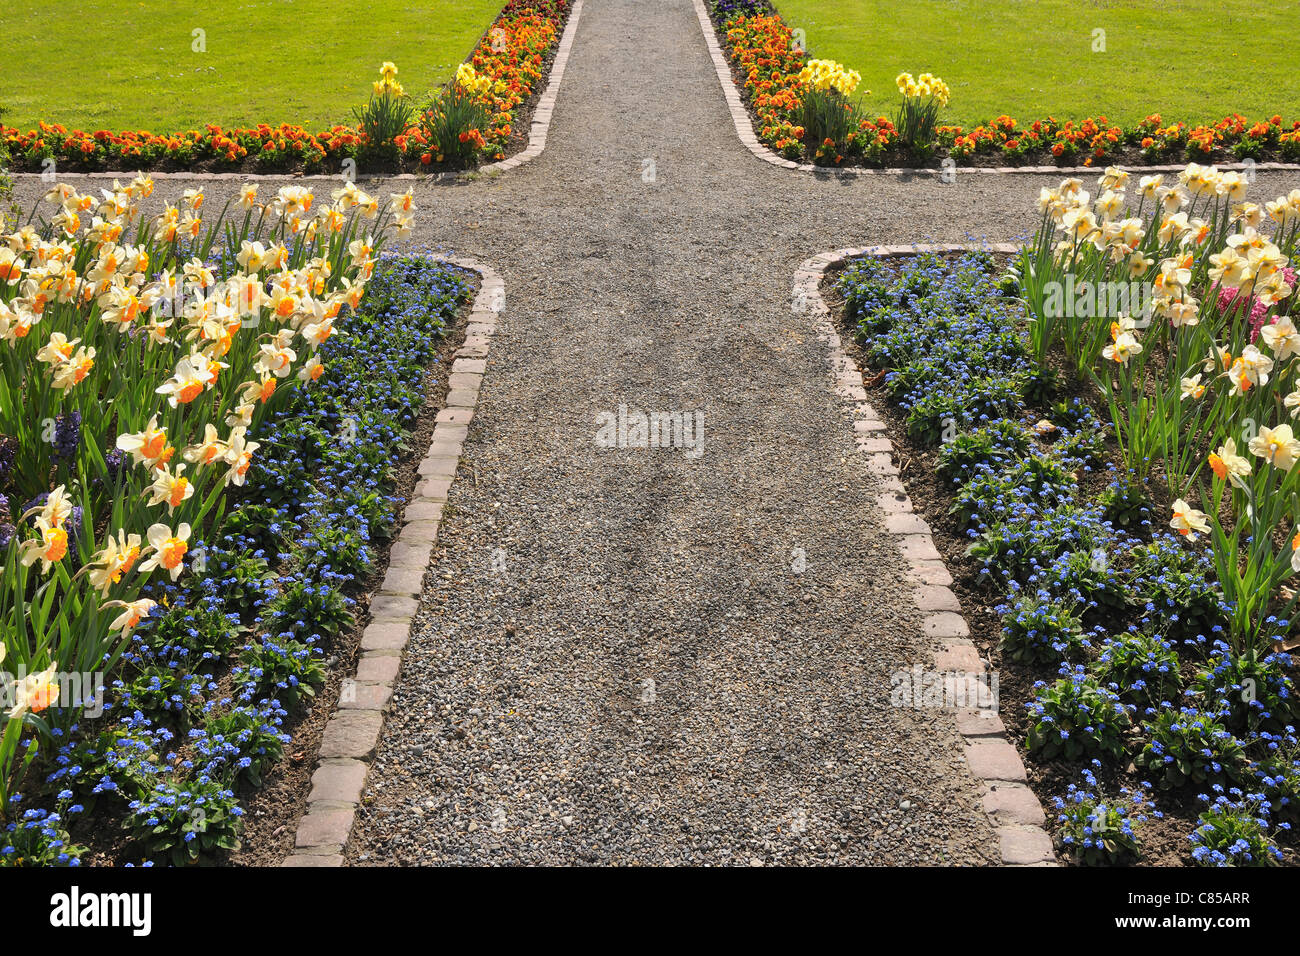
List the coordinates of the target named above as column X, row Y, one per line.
column 193, row 374
column 402, row 202
column 274, row 360
column 1229, row 268
column 1273, row 289
column 49, row 545
column 828, row 74
column 34, row 693
column 1228, row 465
column 1192, row 387
column 135, row 612
column 1187, row 521
column 211, row 449
column 148, row 447
column 171, row 487
column 111, row 564
column 57, row 349
column 239, row 457
column 468, row 79
column 168, row 549
column 1277, row 446
column 251, row 256
column 1182, row 312
column 311, row 370
column 1122, row 349
column 241, row 417
column 1282, row 338
column 316, row 333
column 74, row 371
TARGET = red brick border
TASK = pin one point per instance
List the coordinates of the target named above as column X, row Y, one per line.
column 541, row 126
column 745, row 130
column 1013, row 808
column 352, row 733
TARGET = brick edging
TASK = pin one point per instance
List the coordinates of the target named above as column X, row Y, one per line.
column 745, row 130
column 1013, row 808
column 541, row 126
column 352, row 734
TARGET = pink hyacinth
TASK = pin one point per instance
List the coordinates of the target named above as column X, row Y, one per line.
column 1228, row 298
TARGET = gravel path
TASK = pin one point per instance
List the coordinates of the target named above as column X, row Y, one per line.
column 617, row 663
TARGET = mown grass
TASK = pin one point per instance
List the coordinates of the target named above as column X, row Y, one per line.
column 101, row 64
column 1193, row 60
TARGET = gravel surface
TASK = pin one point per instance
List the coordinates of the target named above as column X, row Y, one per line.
column 617, row 663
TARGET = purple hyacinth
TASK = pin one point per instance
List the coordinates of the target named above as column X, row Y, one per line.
column 67, row 436
column 8, row 451
column 6, row 522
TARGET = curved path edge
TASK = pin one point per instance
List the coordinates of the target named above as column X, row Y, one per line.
column 1013, row 809
column 541, row 125
column 352, row 734
column 745, row 130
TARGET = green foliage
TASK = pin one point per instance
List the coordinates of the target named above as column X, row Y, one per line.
column 157, row 691
column 1253, row 692
column 1143, row 667
column 255, row 734
column 185, row 823
column 1076, row 717
column 452, row 120
column 1096, row 830
column 384, row 117
column 826, row 114
column 1126, row 505
column 194, row 636
column 1173, row 580
column 1037, row 630
column 283, row 669
column 38, row 838
column 995, row 445
column 1235, row 833
column 304, row 608
column 1189, row 747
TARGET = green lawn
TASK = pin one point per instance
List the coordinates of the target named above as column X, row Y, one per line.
column 1194, row 60
column 104, row 64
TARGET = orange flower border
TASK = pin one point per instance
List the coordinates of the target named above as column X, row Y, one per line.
column 761, row 49
column 765, row 59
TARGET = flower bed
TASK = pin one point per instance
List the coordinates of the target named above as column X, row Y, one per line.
column 766, row 65
column 190, row 496
column 1138, row 637
column 512, row 55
